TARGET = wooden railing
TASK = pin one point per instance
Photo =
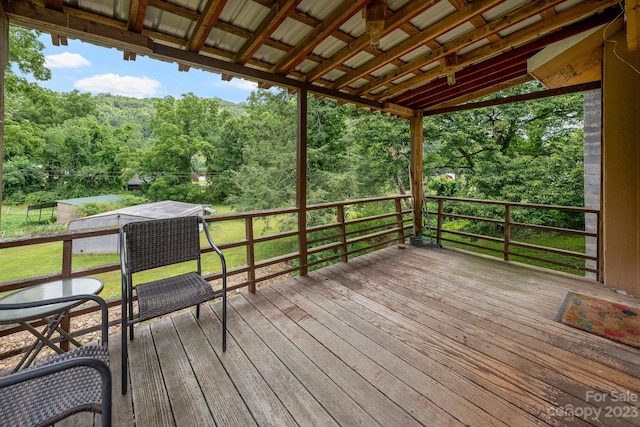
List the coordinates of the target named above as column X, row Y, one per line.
column 505, row 244
column 341, row 235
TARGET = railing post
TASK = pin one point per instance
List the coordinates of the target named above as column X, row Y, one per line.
column 67, row 257
column 507, row 230
column 400, row 223
column 251, row 261
column 440, row 221
column 342, row 231
column 301, row 180
column 599, row 263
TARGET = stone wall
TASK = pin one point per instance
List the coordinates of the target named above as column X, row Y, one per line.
column 592, row 165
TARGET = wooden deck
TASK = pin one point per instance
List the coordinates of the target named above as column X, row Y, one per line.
column 407, row 337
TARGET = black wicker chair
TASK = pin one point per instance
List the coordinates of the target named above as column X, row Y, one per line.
column 60, row 385
column 145, row 245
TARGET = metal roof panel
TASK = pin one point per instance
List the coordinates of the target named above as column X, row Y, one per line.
column 503, row 8
column 291, row 32
column 432, row 15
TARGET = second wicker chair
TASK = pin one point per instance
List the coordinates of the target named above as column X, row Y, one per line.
column 145, row 245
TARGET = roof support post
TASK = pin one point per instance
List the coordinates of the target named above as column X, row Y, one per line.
column 4, row 60
column 417, row 143
column 301, row 179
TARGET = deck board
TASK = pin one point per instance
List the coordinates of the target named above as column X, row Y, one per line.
column 398, row 337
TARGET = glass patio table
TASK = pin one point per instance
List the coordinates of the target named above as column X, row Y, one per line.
column 51, row 314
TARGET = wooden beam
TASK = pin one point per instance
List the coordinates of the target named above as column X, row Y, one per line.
column 632, row 15
column 335, row 19
column 137, row 10
column 480, row 93
column 578, row 13
column 417, row 143
column 428, row 34
column 39, row 18
column 278, row 13
column 397, row 19
column 171, row 54
column 462, row 87
column 473, row 73
column 468, row 39
column 206, row 22
column 517, row 98
column 301, row 179
column 399, row 110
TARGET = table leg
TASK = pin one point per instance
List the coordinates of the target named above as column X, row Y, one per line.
column 44, row 337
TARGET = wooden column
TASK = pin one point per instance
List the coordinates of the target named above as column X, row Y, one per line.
column 301, row 179
column 4, row 60
column 621, row 166
column 417, row 142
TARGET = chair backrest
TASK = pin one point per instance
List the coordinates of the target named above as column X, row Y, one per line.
column 156, row 243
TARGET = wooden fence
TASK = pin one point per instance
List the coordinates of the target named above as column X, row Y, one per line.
column 507, row 245
column 338, row 235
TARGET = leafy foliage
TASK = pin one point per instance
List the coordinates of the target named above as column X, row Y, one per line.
column 72, row 144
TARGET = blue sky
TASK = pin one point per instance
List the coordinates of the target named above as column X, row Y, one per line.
column 95, row 69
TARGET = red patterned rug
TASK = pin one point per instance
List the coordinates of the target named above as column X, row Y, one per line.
column 618, row 322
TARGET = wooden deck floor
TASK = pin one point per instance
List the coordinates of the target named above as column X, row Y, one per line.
column 396, row 338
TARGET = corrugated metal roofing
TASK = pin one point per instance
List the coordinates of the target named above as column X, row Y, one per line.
column 315, row 41
column 105, row 198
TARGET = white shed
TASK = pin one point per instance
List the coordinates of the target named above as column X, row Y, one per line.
column 109, row 244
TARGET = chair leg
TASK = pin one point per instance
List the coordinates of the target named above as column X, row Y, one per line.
column 224, row 322
column 197, row 311
column 125, row 357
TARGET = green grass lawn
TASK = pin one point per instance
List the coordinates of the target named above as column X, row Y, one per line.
column 36, row 260
column 547, row 239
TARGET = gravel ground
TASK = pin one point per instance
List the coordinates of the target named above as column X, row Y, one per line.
column 23, row 339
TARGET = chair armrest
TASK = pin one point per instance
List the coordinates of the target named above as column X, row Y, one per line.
column 46, row 370
column 85, row 297
column 223, row 263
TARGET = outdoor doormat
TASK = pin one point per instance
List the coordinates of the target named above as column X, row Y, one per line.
column 611, row 320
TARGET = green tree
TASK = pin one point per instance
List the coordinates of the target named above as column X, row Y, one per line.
column 183, row 130
column 25, row 54
column 21, row 177
column 83, row 158
column 225, row 155
column 381, row 153
column 267, row 177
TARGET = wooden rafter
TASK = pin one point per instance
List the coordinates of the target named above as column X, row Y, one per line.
column 428, row 34
column 321, row 32
column 205, row 24
column 509, row 72
column 516, row 98
column 397, row 19
column 525, row 35
column 32, row 16
column 235, row 30
column 137, row 10
column 441, row 76
column 474, row 73
column 278, row 13
column 462, row 41
column 56, row 39
column 454, row 103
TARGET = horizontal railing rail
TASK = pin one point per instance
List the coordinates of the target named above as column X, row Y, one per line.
column 446, row 211
column 343, row 235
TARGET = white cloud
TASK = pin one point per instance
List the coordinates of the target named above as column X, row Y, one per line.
column 238, row 84
column 135, row 87
column 66, row 60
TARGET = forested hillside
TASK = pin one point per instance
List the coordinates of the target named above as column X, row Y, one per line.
column 62, row 145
